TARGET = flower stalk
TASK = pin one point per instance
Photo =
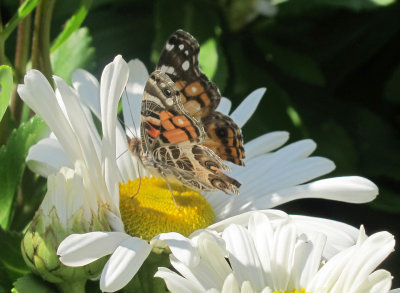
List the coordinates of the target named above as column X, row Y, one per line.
column 21, row 59
column 41, row 38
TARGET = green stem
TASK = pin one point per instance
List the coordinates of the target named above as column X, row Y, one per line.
column 72, row 287
column 21, row 59
column 41, row 38
column 3, row 58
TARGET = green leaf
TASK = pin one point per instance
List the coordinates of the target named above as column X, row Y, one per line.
column 392, row 89
column 27, row 7
column 72, row 24
column 32, row 284
column 6, row 85
column 12, row 158
column 293, row 63
column 10, row 254
column 22, row 12
column 208, row 57
column 74, row 53
column 357, row 5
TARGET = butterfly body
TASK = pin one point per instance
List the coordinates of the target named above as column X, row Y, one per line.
column 183, row 137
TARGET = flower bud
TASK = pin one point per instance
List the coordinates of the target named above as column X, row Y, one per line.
column 68, row 207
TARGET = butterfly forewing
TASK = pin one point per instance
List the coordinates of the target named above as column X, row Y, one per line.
column 179, row 59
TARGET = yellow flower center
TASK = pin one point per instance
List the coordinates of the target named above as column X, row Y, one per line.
column 293, row 291
column 152, row 210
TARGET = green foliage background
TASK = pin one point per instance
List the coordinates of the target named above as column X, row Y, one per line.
column 332, row 70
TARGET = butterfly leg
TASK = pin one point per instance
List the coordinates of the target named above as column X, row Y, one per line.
column 169, row 187
column 137, row 190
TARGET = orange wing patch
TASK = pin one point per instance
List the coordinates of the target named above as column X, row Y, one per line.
column 194, row 89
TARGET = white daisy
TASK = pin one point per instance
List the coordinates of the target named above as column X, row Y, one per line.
column 284, row 172
column 272, row 254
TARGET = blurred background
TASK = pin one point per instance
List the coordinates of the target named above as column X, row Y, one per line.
column 331, row 68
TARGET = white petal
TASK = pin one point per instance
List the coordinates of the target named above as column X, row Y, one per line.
column 115, row 222
column 243, row 219
column 176, row 283
column 282, row 177
column 113, row 81
column 203, row 275
column 224, row 106
column 369, row 255
column 339, row 235
column 243, row 256
column 262, row 232
column 377, row 282
column 246, row 109
column 247, row 287
column 88, row 89
column 131, row 104
column 212, row 252
column 231, row 285
column 284, row 243
column 37, row 93
column 347, row 189
column 47, row 157
column 181, row 247
column 80, row 125
column 265, row 143
column 124, row 264
column 81, row 249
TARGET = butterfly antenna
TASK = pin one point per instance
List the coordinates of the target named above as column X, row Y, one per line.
column 130, row 112
column 120, row 155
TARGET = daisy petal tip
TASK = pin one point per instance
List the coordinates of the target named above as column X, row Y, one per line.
column 181, row 248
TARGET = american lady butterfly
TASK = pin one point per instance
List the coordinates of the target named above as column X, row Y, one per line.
column 183, row 137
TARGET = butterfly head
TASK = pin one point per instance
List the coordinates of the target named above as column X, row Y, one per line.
column 135, row 146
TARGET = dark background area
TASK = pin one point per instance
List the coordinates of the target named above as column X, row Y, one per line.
column 332, row 70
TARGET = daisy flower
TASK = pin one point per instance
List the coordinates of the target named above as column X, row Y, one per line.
column 280, row 254
column 285, row 170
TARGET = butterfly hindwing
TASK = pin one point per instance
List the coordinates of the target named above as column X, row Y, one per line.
column 224, row 137
column 196, row 166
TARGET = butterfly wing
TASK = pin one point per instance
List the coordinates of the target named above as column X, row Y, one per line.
column 164, row 121
column 196, row 167
column 224, row 138
column 200, row 96
column 180, row 60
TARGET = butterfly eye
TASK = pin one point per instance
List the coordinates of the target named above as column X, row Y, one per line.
column 177, row 93
column 167, row 92
column 153, row 77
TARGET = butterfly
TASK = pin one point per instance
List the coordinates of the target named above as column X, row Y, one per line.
column 183, row 137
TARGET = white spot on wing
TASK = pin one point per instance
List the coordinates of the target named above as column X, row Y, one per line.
column 169, row 46
column 181, row 46
column 180, row 121
column 185, row 65
column 169, row 101
column 194, row 89
column 170, row 70
column 186, row 52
